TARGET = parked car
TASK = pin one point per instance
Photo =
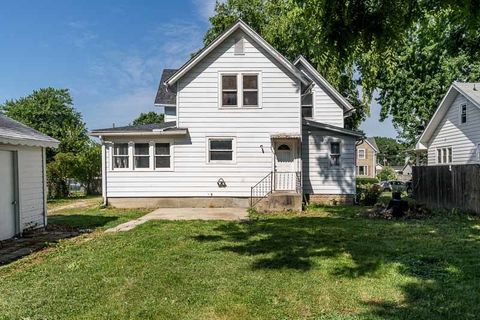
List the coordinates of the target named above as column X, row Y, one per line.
column 393, row 185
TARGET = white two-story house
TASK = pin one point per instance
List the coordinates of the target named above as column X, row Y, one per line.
column 242, row 124
column 453, row 134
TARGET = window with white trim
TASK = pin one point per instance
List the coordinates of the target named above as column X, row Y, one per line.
column 444, row 155
column 220, row 150
column 361, row 154
column 141, row 156
column 240, row 89
column 120, row 156
column 335, row 154
column 162, row 155
column 362, row 170
column 229, row 90
column 463, row 113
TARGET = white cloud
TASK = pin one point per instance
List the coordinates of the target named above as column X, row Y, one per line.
column 205, row 8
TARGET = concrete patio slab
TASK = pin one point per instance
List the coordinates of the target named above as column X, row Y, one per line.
column 228, row 214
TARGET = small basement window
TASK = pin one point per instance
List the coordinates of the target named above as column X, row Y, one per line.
column 229, row 90
column 335, row 154
column 142, row 156
column 120, row 156
column 162, row 155
column 220, row 150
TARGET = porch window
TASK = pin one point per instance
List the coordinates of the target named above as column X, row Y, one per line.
column 120, row 156
column 229, row 90
column 335, row 154
column 142, row 156
column 162, row 155
column 250, row 90
column 220, row 150
column 361, row 154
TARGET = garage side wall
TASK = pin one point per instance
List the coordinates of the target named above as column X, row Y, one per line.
column 30, row 185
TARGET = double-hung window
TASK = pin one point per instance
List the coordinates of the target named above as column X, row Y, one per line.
column 361, row 154
column 120, row 156
column 250, row 90
column 444, row 155
column 220, row 150
column 141, row 156
column 362, row 170
column 162, row 155
column 335, row 154
column 229, row 90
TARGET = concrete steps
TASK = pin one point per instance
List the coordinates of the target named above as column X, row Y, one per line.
column 280, row 201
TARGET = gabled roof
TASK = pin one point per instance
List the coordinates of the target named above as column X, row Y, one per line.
column 16, row 133
column 329, row 127
column 371, row 141
column 239, row 25
column 164, row 128
column 470, row 91
column 325, row 85
column 166, row 96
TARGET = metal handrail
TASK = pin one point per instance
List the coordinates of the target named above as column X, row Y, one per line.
column 267, row 185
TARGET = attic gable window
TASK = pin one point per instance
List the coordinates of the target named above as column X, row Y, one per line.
column 239, row 47
column 240, row 89
column 463, row 113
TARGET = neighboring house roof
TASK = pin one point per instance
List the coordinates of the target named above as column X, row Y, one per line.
column 164, row 128
column 371, row 141
column 166, row 96
column 469, row 90
column 16, row 133
column 325, row 85
column 329, row 127
column 239, row 25
column 397, row 168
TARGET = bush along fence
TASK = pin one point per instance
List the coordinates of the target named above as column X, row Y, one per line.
column 448, row 187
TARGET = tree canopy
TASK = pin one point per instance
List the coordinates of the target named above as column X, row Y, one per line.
column 51, row 112
column 365, row 44
column 391, row 152
column 148, row 118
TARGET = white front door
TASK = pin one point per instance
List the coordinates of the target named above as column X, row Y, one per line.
column 285, row 175
column 7, row 196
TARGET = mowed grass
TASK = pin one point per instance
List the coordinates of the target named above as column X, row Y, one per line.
column 329, row 263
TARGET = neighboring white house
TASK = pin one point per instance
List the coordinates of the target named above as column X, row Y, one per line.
column 234, row 129
column 453, row 134
column 22, row 177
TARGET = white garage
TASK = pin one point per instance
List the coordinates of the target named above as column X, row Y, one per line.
column 23, row 203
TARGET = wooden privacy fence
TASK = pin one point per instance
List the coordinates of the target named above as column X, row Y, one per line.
column 448, row 186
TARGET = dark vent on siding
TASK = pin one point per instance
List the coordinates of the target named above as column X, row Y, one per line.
column 239, row 46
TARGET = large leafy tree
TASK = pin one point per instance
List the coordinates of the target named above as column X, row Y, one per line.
column 352, row 43
column 392, row 152
column 148, row 118
column 435, row 52
column 51, row 112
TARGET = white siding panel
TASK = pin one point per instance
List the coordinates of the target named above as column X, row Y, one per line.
column 198, row 110
column 318, row 176
column 463, row 138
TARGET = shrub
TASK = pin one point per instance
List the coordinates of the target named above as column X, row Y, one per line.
column 387, row 173
column 368, row 194
column 362, row 181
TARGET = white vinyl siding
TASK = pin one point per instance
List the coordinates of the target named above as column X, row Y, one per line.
column 462, row 138
column 200, row 112
column 318, row 176
column 30, row 185
column 325, row 109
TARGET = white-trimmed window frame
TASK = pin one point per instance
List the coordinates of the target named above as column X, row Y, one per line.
column 463, row 105
column 478, row 152
column 329, row 146
column 365, row 171
column 135, row 155
column 220, row 162
column 131, row 155
column 364, row 154
column 239, row 74
column 442, row 153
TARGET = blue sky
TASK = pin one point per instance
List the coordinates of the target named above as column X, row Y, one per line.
column 110, row 54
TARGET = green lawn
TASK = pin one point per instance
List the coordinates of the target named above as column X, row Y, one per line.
column 327, row 264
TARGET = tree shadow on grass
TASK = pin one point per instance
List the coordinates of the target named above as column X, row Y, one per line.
column 80, row 221
column 441, row 256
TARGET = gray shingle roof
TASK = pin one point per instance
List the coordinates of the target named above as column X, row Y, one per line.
column 166, row 96
column 320, row 125
column 140, row 128
column 471, row 89
column 373, row 143
column 14, row 132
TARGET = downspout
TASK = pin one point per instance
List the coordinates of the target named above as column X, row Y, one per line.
column 44, row 188
column 104, row 172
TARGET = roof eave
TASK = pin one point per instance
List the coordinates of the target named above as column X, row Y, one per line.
column 176, row 132
column 29, row 142
column 254, row 35
column 328, row 127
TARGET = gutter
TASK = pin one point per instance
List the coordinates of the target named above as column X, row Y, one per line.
column 140, row 133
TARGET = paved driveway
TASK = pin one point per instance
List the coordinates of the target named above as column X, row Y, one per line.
column 185, row 214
